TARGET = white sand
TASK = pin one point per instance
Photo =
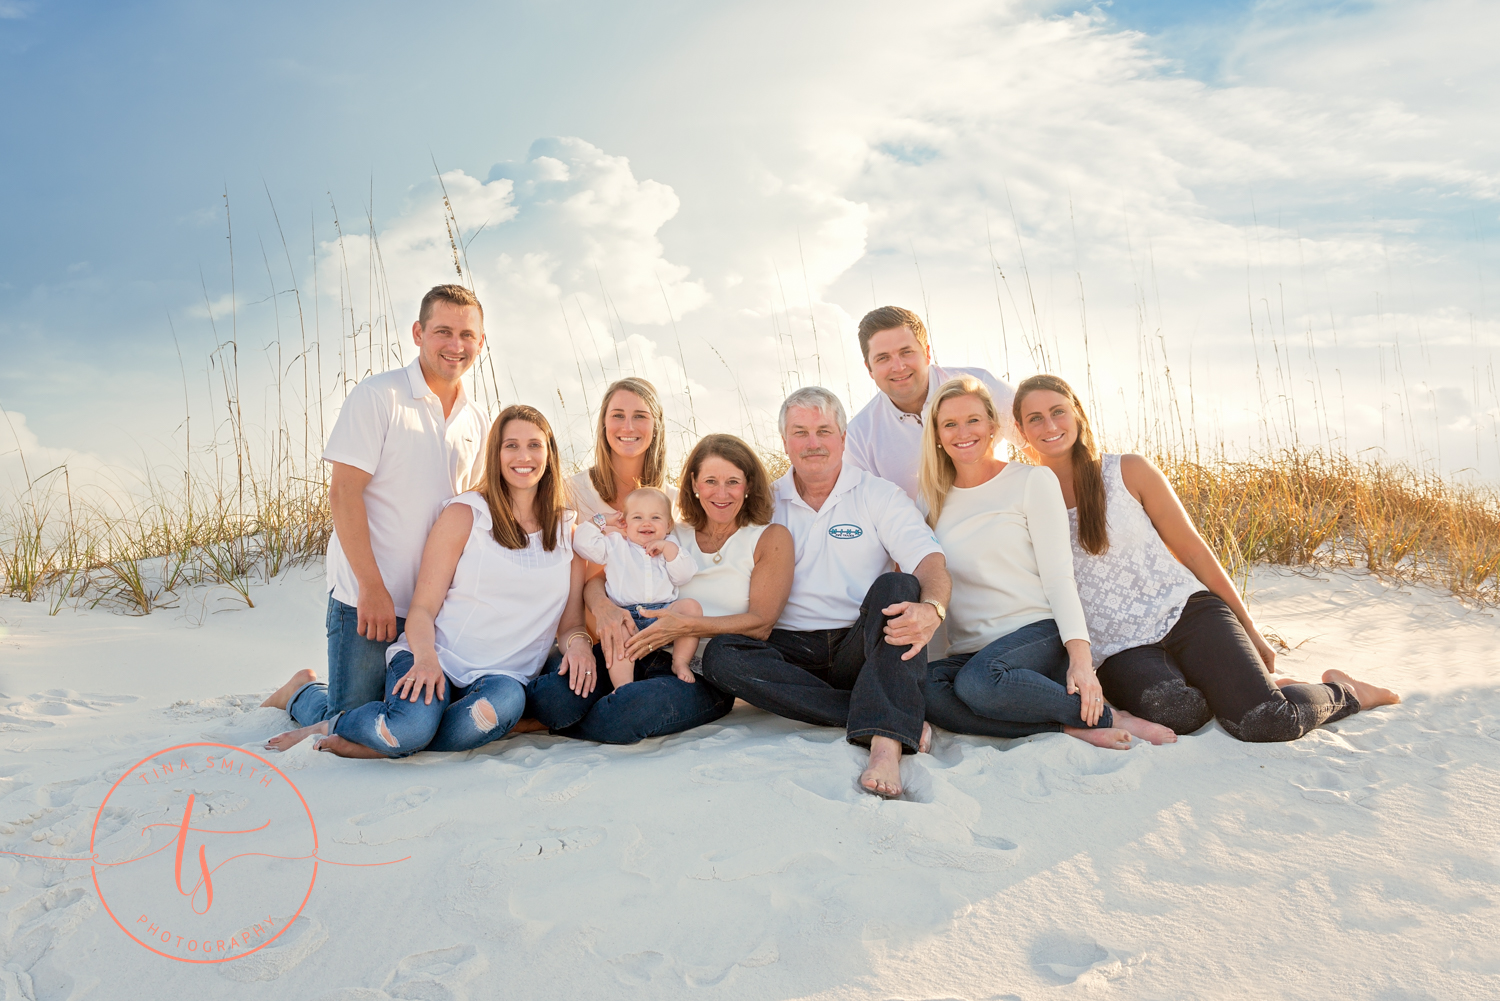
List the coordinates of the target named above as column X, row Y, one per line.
column 739, row 861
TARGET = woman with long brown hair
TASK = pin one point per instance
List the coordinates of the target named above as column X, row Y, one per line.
column 1018, row 656
column 1172, row 640
column 498, row 584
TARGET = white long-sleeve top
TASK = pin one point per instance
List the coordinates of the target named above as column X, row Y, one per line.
column 1011, row 559
column 631, row 577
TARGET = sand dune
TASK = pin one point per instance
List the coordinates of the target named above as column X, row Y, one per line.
column 740, row 861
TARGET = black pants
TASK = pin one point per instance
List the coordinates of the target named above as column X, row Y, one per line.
column 832, row 677
column 1206, row 666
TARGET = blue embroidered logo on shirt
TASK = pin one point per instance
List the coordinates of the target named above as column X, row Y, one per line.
column 846, row 531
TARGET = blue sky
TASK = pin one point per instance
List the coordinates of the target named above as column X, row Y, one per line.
column 755, row 170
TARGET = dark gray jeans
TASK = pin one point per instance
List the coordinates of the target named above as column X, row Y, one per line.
column 848, row 677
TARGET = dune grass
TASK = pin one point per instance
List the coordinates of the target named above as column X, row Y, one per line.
column 1299, row 507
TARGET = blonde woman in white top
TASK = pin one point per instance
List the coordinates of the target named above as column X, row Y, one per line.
column 1018, row 658
column 743, row 577
column 498, row 584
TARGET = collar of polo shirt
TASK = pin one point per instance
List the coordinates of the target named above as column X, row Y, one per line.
column 933, row 376
column 420, row 390
column 848, row 477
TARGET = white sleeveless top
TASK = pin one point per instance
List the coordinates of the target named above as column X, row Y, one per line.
column 1134, row 593
column 501, row 612
column 722, row 588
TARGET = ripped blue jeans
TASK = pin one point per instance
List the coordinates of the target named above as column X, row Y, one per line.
column 463, row 719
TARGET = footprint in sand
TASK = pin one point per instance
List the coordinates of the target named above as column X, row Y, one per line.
column 46, row 709
column 570, row 839
column 1062, row 957
column 986, row 854
column 305, row 937
column 396, row 803
column 638, row 968
column 1327, row 784
column 439, row 975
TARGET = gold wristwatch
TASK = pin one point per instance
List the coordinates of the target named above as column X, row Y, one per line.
column 942, row 609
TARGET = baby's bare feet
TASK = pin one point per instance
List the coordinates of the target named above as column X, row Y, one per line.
column 283, row 695
column 924, row 745
column 528, row 726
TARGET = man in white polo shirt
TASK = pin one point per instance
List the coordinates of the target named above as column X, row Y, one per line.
column 885, row 437
column 405, row 442
column 850, row 647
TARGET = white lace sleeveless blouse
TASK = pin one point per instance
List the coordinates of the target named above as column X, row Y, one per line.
column 1134, row 593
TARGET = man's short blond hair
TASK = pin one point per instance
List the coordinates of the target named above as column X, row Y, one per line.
column 453, row 295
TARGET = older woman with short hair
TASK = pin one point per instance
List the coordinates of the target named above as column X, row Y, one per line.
column 744, row 574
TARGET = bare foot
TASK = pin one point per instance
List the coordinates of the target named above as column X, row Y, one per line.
column 924, row 746
column 1144, row 729
column 1283, row 682
column 1369, row 695
column 334, row 744
column 290, row 739
column 1109, row 737
column 283, row 695
column 883, row 776
column 528, row 726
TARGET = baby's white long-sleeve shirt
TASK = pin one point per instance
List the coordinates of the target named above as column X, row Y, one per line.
column 631, row 577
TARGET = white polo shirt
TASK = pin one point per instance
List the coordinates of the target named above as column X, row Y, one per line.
column 392, row 427
column 864, row 527
column 887, row 441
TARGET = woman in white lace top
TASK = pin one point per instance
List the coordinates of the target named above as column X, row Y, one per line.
column 1172, row 639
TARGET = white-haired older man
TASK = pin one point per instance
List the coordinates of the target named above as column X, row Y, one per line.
column 850, row 647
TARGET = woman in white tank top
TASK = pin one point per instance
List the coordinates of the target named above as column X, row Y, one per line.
column 744, row 574
column 498, row 585
column 1173, row 640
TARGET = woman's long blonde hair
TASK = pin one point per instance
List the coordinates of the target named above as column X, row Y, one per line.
column 1088, row 477
column 935, row 478
column 550, row 496
column 654, row 471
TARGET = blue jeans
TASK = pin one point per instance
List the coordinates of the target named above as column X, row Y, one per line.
column 656, row 703
column 356, row 669
column 642, row 621
column 463, row 719
column 1014, row 687
column 849, row 678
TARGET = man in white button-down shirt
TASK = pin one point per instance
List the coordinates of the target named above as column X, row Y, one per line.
column 850, row 647
column 405, row 441
column 885, row 437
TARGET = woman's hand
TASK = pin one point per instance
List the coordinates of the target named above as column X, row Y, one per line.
column 615, row 627
column 1084, row 683
column 669, row 625
column 578, row 665
column 424, row 676
column 1267, row 655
